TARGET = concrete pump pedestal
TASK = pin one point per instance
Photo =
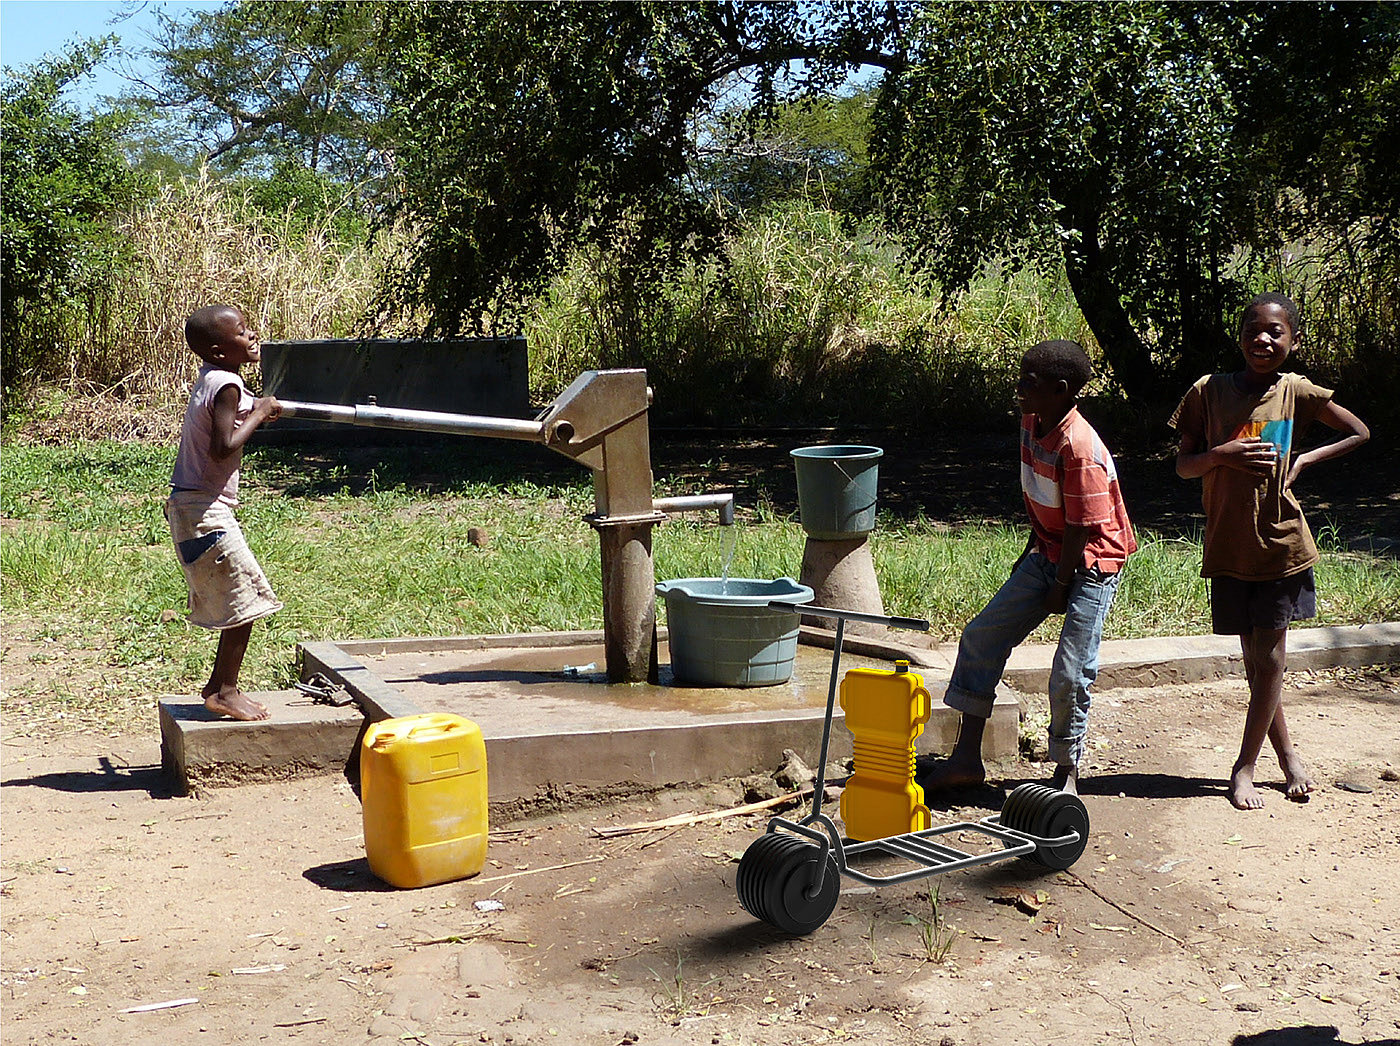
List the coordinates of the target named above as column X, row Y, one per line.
column 842, row 575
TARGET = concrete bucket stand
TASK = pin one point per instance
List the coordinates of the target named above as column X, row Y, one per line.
column 836, row 495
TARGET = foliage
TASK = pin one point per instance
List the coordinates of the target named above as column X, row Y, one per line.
column 686, row 186
column 796, row 316
column 581, row 133
column 808, row 148
column 305, row 197
column 1151, row 150
column 65, row 181
column 259, row 83
column 1147, row 144
column 298, row 271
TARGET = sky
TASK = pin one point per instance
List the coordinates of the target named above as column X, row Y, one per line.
column 29, row 29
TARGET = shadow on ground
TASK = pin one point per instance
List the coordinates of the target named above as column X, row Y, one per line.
column 153, row 780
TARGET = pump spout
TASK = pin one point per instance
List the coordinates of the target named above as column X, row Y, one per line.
column 699, row 503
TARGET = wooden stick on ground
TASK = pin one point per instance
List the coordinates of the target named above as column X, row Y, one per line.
column 535, row 871
column 684, row 819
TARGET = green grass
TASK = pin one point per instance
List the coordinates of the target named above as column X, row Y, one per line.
column 93, row 602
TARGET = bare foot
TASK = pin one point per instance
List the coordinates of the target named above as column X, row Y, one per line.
column 1243, row 794
column 953, row 772
column 236, row 705
column 1297, row 781
column 1066, row 779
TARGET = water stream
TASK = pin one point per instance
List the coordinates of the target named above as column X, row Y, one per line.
column 731, row 542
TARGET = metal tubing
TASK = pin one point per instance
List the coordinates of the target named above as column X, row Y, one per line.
column 699, row 503
column 373, row 416
column 914, row 624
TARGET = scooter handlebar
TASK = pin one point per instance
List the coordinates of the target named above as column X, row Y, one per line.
column 914, row 624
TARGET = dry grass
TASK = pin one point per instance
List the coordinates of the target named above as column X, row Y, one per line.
column 195, row 242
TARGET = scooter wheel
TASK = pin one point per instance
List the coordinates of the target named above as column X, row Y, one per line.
column 1056, row 815
column 756, row 867
column 1019, row 804
column 793, row 908
column 774, row 879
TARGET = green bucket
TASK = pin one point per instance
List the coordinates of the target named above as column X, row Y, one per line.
column 723, row 633
column 836, row 488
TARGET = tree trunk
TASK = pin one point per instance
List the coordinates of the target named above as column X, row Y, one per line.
column 1206, row 344
column 1099, row 301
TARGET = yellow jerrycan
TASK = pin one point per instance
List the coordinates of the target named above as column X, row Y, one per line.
column 885, row 712
column 423, row 792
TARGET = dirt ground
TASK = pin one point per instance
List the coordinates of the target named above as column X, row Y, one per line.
column 1184, row 921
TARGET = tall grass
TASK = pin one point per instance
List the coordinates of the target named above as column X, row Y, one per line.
column 121, row 359
column 799, row 317
column 198, row 242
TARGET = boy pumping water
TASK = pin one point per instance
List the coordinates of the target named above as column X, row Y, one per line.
column 228, row 591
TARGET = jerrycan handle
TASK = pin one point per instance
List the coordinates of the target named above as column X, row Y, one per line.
column 445, row 725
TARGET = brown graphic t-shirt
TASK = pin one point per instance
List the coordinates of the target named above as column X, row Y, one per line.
column 1255, row 529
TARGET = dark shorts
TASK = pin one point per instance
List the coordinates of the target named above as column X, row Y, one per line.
column 1238, row 607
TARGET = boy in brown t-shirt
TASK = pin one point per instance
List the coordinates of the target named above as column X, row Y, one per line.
column 1237, row 433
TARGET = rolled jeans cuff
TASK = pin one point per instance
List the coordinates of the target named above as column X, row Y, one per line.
column 965, row 701
column 1065, row 751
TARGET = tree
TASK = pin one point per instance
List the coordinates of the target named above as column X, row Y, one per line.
column 1148, row 143
column 259, row 82
column 810, row 147
column 1162, row 152
column 525, row 129
column 65, row 183
column 1145, row 145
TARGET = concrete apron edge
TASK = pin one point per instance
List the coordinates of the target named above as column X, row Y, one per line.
column 524, row 767
column 1192, row 659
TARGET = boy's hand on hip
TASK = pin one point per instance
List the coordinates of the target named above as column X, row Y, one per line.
column 1250, row 454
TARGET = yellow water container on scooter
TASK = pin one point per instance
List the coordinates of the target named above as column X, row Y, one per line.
column 423, row 791
column 885, row 712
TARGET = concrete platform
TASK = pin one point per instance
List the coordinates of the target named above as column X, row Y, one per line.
column 200, row 749
column 553, row 727
column 555, row 731
column 1171, row 660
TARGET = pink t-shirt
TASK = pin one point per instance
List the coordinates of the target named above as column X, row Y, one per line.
column 195, row 467
column 1068, row 477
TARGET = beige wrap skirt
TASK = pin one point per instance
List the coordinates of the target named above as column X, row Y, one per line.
column 227, row 587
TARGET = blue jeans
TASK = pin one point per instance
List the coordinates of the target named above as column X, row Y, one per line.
column 1011, row 615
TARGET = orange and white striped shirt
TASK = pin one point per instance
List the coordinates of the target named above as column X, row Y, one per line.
column 1068, row 479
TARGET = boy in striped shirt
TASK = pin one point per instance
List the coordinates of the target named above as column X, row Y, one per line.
column 1080, row 539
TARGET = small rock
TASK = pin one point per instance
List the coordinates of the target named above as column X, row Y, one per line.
column 384, row 1027
column 1247, row 1007
column 1354, row 784
column 478, row 537
column 1353, row 999
column 1390, row 775
column 794, row 773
